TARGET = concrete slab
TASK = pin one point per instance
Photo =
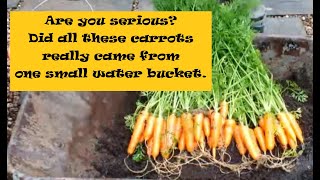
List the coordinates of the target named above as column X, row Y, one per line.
column 12, row 3
column 288, row 7
column 81, row 5
column 284, row 26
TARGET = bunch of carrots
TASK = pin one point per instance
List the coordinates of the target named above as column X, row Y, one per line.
column 215, row 130
column 245, row 103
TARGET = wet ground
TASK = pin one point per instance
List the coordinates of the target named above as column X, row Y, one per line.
column 112, row 147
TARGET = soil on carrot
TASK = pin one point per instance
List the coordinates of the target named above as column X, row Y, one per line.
column 112, row 148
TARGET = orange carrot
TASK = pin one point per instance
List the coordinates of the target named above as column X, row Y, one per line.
column 224, row 109
column 178, row 129
column 141, row 138
column 137, row 131
column 249, row 142
column 163, row 141
column 202, row 142
column 254, row 139
column 281, row 135
column 214, row 152
column 258, row 132
column 209, row 141
column 195, row 143
column 285, row 123
column 221, row 139
column 171, row 130
column 149, row 127
column 198, row 123
column 182, row 143
column 228, row 131
column 295, row 126
column 269, row 131
column 292, row 143
column 210, row 113
column 210, row 118
column 239, row 142
column 188, row 131
column 157, row 137
column 206, row 126
column 216, row 129
column 223, row 121
column 262, row 124
column 149, row 148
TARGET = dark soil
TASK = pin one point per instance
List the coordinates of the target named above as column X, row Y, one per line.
column 113, row 146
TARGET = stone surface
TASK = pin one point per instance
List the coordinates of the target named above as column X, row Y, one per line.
column 12, row 3
column 82, row 5
column 284, row 26
column 288, row 7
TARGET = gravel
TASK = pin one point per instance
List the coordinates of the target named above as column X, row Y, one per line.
column 308, row 24
column 13, row 98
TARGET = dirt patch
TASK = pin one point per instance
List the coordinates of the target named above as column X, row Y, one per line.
column 112, row 147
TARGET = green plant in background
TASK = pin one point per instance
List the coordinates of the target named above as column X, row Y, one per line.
column 295, row 91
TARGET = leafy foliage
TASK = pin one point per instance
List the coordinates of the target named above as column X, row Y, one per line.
column 129, row 122
column 292, row 153
column 139, row 155
column 295, row 91
column 297, row 113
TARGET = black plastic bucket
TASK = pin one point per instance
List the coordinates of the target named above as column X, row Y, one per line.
column 258, row 16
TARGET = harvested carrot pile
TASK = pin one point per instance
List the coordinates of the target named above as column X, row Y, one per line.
column 176, row 128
